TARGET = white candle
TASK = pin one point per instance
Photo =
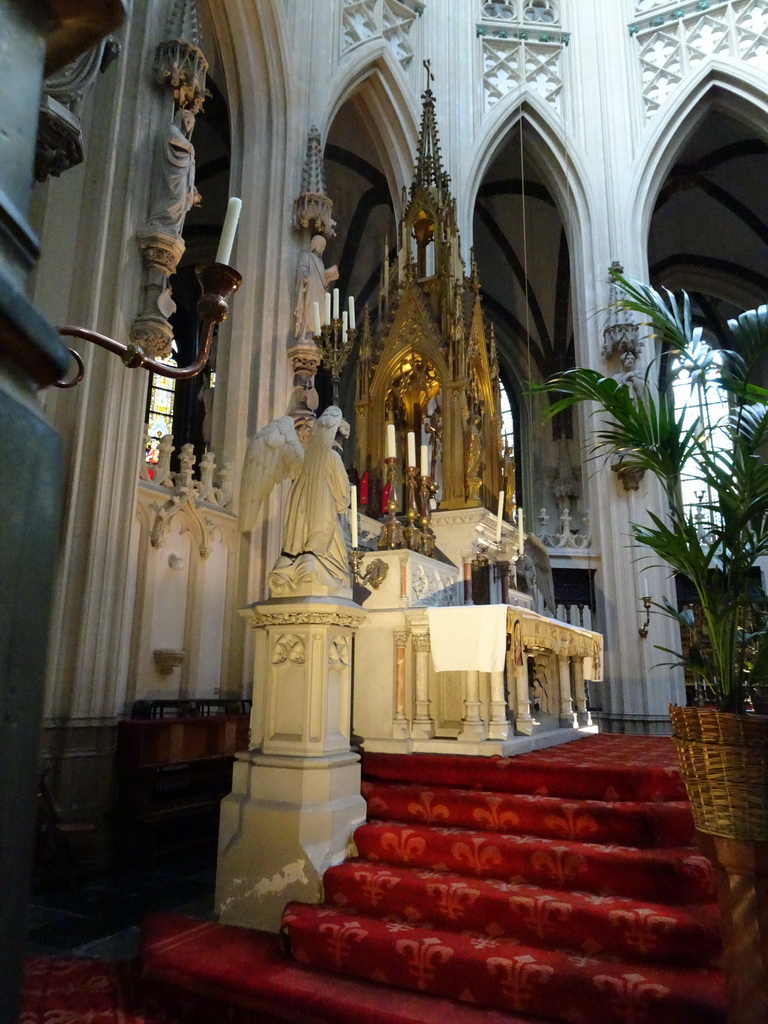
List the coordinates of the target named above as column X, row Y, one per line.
column 645, row 586
column 327, row 308
column 352, row 320
column 411, row 449
column 335, row 303
column 499, row 515
column 344, row 324
column 391, row 450
column 520, row 534
column 425, row 460
column 353, row 514
column 316, row 318
column 224, row 252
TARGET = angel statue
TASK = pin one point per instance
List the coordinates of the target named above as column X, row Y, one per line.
column 313, row 559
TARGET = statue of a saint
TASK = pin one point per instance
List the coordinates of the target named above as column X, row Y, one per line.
column 630, row 375
column 175, row 194
column 474, row 453
column 433, row 427
column 312, row 280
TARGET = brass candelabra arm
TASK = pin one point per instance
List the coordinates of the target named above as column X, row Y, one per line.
column 333, row 346
column 375, row 572
column 643, row 630
column 218, row 282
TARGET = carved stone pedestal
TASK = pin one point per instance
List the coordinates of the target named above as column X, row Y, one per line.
column 295, row 802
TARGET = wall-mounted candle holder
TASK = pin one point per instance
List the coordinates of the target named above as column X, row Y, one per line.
column 643, row 630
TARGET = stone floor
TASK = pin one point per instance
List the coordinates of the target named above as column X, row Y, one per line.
column 97, row 912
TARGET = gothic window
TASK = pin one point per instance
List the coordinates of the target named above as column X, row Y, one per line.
column 504, row 10
column 698, row 396
column 542, row 11
column 507, row 419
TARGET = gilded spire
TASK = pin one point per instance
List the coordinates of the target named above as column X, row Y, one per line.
column 429, row 174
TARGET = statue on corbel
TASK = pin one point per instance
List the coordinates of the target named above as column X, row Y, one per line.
column 59, row 143
column 179, row 65
column 312, row 211
column 621, row 342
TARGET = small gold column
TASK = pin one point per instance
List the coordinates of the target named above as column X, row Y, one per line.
column 400, row 724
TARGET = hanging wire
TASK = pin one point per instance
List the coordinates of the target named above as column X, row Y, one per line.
column 525, row 237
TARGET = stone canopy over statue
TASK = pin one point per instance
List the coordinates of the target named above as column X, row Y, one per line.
column 313, row 558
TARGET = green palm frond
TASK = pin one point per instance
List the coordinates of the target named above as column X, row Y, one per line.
column 644, row 431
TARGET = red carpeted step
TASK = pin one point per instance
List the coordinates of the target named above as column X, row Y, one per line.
column 592, row 924
column 601, row 767
column 597, row 821
column 211, row 972
column 667, row 875
column 509, row 976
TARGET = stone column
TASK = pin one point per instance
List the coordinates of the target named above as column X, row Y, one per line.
column 583, row 716
column 296, row 802
column 524, row 721
column 473, row 726
column 498, row 726
column 567, row 716
column 422, row 727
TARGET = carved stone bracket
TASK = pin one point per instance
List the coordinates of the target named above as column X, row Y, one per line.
column 153, row 335
column 161, row 251
column 630, row 476
column 167, row 660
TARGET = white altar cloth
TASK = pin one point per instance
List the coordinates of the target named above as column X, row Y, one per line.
column 472, row 638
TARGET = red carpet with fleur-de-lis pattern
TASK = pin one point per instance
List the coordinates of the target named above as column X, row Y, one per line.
column 561, row 884
column 558, row 886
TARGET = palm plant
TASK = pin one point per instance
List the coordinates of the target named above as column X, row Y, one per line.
column 719, row 549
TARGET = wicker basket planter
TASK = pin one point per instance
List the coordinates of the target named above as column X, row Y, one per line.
column 724, row 761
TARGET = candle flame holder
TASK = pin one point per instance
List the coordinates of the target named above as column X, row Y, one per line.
column 643, row 630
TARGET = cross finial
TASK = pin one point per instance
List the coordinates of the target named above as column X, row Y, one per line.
column 428, row 67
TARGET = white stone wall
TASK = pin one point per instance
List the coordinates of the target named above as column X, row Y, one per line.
column 609, row 108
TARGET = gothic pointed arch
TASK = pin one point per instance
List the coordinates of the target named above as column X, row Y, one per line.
column 735, row 90
column 376, row 85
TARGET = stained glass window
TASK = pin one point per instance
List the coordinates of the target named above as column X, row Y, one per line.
column 162, row 396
